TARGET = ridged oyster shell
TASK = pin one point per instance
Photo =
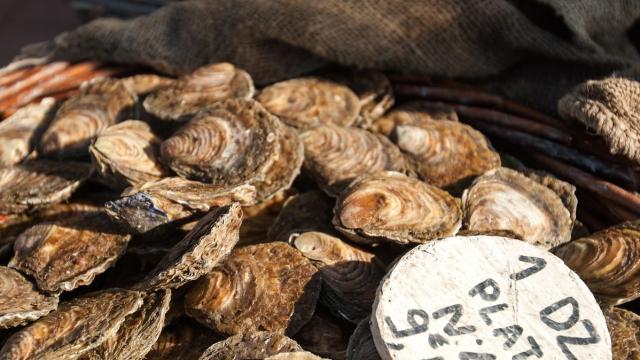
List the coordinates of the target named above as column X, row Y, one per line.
column 20, row 301
column 250, row 345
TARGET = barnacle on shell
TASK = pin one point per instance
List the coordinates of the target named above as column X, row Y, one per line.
column 250, row 345
column 204, row 87
column 267, row 286
column 624, row 328
column 361, row 345
column 308, row 102
column 324, row 335
column 335, row 156
column 389, row 206
column 20, row 300
column 413, row 114
column 309, row 211
column 608, row 261
column 504, row 199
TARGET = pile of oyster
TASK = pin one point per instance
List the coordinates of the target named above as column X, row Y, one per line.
column 197, row 218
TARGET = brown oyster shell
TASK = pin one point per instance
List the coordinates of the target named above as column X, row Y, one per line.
column 20, row 301
column 20, row 132
column 138, row 333
column 174, row 199
column 414, row 114
column 308, row 102
column 446, row 153
column 85, row 116
column 127, row 154
column 251, row 345
column 258, row 218
column 205, row 86
column 504, row 199
column 391, row 207
column 361, row 345
column 624, row 328
column 76, row 327
column 350, row 275
column 324, row 335
column 68, row 253
column 565, row 191
column 309, row 211
column 199, row 252
column 39, row 183
column 183, row 339
column 608, row 261
column 258, row 287
column 143, row 84
column 298, row 355
column 335, row 156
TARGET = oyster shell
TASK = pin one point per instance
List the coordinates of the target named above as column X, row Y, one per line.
column 143, row 84
column 127, row 154
column 307, row 102
column 608, row 261
column 39, row 184
column 447, row 153
column 361, row 345
column 258, row 287
column 335, row 156
column 350, row 275
column 138, row 333
column 504, row 199
column 624, row 327
column 156, row 203
column 251, row 345
column 324, row 335
column 20, row 132
column 183, row 339
column 83, row 117
column 210, row 241
column 76, row 327
column 310, row 211
column 20, row 301
column 258, row 218
column 298, row 355
column 205, row 86
column 392, row 207
column 563, row 189
column 414, row 114
column 68, row 253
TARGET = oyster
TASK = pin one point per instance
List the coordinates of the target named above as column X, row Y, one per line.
column 258, row 218
column 20, row 301
column 389, row 206
column 127, row 154
column 183, row 339
column 268, row 287
column 298, row 355
column 335, row 156
column 504, row 199
column 76, row 327
column 310, row 211
column 210, row 241
column 39, row 184
column 68, row 253
column 563, row 189
column 205, row 86
column 413, row 114
column 138, row 333
column 250, row 345
column 144, row 84
column 83, row 117
column 447, row 153
column 20, row 132
column 350, row 275
column 608, row 261
column 308, row 102
column 624, row 327
column 324, row 335
column 361, row 345
column 156, row 203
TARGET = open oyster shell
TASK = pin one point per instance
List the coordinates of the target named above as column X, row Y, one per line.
column 608, row 261
column 83, row 117
column 258, row 287
column 250, row 345
column 76, row 327
column 504, row 199
column 308, row 102
column 324, row 335
column 20, row 301
column 624, row 327
column 127, row 154
column 205, row 86
column 350, row 275
column 335, row 156
column 310, row 211
column 39, row 183
column 391, row 207
column 183, row 339
column 361, row 345
column 413, row 114
column 208, row 243
column 20, row 132
column 68, row 253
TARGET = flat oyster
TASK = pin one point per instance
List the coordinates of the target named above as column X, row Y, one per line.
column 20, row 301
column 252, row 345
column 412, row 113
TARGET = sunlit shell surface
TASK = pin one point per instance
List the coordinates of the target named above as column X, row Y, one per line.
column 608, row 261
column 389, row 206
column 413, row 114
column 504, row 199
column 308, row 102
column 324, row 335
column 310, row 211
column 350, row 275
column 563, row 189
column 68, row 253
column 20, row 301
column 361, row 345
column 204, row 87
column 76, row 327
column 39, row 183
column 335, row 156
column 250, row 345
column 208, row 243
column 20, row 132
column 258, row 287
column 624, row 327
column 143, row 84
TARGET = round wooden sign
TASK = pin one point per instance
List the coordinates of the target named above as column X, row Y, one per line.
column 486, row 297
